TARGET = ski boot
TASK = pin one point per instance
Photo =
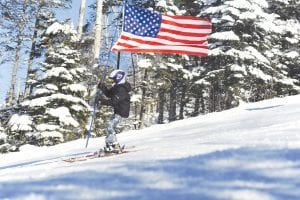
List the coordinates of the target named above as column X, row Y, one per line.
column 113, row 148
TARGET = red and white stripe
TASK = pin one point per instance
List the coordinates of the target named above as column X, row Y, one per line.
column 177, row 35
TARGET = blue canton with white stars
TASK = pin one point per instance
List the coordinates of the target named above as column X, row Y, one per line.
column 141, row 22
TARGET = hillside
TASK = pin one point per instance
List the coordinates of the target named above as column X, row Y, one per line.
column 250, row 152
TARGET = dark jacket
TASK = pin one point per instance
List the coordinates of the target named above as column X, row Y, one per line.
column 119, row 98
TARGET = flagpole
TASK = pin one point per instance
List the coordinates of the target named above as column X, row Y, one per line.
column 119, row 53
column 118, row 60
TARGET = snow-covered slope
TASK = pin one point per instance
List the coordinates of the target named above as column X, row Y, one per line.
column 250, row 152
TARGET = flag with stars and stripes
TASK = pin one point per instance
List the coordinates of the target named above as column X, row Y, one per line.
column 146, row 31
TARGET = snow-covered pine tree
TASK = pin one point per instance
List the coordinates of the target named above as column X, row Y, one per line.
column 286, row 52
column 142, row 99
column 42, row 16
column 4, row 145
column 3, row 136
column 238, row 66
column 173, row 82
column 56, row 111
column 162, row 83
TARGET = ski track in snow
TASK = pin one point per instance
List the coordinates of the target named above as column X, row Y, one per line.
column 250, row 152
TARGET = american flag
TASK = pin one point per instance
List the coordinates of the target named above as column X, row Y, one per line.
column 146, row 31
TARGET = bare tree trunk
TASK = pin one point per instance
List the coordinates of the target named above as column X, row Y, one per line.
column 142, row 111
column 173, row 101
column 81, row 18
column 98, row 31
column 182, row 102
column 11, row 94
column 32, row 52
column 197, row 105
column 161, row 103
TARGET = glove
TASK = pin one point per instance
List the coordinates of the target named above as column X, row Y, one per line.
column 102, row 87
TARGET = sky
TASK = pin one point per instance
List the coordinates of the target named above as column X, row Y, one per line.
column 61, row 14
column 6, row 70
column 246, row 153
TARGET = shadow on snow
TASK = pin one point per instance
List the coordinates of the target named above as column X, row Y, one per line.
column 263, row 108
column 232, row 174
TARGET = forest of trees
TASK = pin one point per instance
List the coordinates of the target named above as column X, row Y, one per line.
column 254, row 55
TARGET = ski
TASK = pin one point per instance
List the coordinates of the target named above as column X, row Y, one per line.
column 98, row 154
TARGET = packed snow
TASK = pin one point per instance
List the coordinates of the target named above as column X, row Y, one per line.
column 249, row 152
column 20, row 122
column 226, row 35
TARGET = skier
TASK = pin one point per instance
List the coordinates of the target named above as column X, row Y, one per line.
column 119, row 99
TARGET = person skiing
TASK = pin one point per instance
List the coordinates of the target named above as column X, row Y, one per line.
column 119, row 98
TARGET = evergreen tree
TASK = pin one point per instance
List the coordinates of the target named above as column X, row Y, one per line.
column 42, row 18
column 288, row 40
column 56, row 111
column 146, row 88
column 238, row 66
column 4, row 145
